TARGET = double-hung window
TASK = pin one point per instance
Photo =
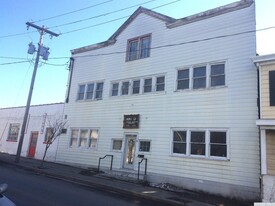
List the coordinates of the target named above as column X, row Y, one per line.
column 199, row 77
column 160, row 83
column 13, row 132
column 218, row 144
column 217, row 75
column 115, row 87
column 138, row 48
column 179, row 142
column 99, row 90
column 125, row 88
column 197, row 143
column 183, row 79
column 90, row 91
column 136, row 86
column 81, row 92
column 147, row 85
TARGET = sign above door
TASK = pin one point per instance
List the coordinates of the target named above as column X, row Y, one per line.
column 131, row 121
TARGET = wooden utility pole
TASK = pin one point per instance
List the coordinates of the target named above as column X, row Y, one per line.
column 42, row 30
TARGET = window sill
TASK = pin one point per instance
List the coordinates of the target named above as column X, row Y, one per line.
column 201, row 89
column 200, row 157
column 11, row 140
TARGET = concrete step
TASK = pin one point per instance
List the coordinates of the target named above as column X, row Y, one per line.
column 129, row 175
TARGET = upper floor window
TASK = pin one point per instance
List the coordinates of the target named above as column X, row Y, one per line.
column 13, row 132
column 272, row 88
column 160, row 83
column 115, row 89
column 136, row 86
column 210, row 75
column 138, row 48
column 148, row 85
column 90, row 91
column 125, row 88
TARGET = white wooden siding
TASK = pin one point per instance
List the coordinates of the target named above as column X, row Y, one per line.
column 233, row 107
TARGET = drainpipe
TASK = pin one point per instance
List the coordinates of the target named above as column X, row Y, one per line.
column 71, row 66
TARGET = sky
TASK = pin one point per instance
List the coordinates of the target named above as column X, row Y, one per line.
column 82, row 23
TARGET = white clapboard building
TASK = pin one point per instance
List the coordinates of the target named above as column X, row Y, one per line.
column 40, row 118
column 181, row 93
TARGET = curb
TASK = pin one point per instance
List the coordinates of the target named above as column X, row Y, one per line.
column 98, row 186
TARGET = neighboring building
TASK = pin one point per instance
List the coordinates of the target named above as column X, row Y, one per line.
column 266, row 123
column 181, row 92
column 37, row 128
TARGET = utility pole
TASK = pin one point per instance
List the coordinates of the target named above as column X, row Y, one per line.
column 42, row 30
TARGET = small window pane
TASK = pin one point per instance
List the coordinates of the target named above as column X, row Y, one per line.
column 199, row 77
column 125, row 88
column 117, row 144
column 99, row 90
column 145, row 47
column 74, row 137
column 13, row 132
column 148, row 85
column 83, row 138
column 133, row 47
column 144, row 146
column 179, row 142
column 217, row 75
column 136, row 86
column 81, row 91
column 93, row 138
column 183, row 79
column 160, row 85
column 90, row 91
column 218, row 144
column 115, row 89
column 198, row 143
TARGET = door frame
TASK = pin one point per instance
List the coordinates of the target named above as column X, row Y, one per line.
column 127, row 136
column 31, row 137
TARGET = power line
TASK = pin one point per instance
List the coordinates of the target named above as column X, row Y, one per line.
column 19, row 62
column 101, row 15
column 106, row 22
column 71, row 12
column 161, row 46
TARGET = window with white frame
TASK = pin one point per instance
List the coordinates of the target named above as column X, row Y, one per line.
column 81, row 92
column 207, row 76
column 136, row 86
column 199, row 77
column 144, row 145
column 90, row 91
column 138, row 48
column 117, row 144
column 115, row 87
column 13, row 132
column 125, row 88
column 147, row 85
column 201, row 143
column 183, row 79
column 85, row 138
column 160, row 83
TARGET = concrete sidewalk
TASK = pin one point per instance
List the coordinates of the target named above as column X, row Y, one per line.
column 101, row 182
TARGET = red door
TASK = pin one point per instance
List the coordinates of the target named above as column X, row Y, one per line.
column 32, row 146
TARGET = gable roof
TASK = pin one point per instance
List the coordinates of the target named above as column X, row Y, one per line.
column 169, row 21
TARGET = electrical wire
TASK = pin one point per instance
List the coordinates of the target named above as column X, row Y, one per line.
column 19, row 62
column 156, row 47
column 101, row 15
column 71, row 12
column 106, row 22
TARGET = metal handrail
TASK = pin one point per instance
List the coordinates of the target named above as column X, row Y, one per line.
column 101, row 158
column 145, row 172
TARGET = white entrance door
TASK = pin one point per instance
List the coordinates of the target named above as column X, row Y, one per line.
column 129, row 152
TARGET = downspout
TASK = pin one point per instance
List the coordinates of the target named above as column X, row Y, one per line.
column 71, row 66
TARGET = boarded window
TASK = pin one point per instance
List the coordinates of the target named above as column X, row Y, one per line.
column 272, row 88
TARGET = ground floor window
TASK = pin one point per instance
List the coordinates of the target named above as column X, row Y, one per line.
column 85, row 138
column 13, row 132
column 117, row 144
column 200, row 143
column 144, row 145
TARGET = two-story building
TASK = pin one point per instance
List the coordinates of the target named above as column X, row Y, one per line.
column 266, row 123
column 38, row 128
column 180, row 92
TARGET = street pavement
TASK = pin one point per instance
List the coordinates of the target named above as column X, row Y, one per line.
column 91, row 178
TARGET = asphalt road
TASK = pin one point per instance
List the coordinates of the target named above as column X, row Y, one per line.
column 29, row 189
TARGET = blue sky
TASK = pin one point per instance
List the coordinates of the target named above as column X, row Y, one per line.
column 51, row 81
